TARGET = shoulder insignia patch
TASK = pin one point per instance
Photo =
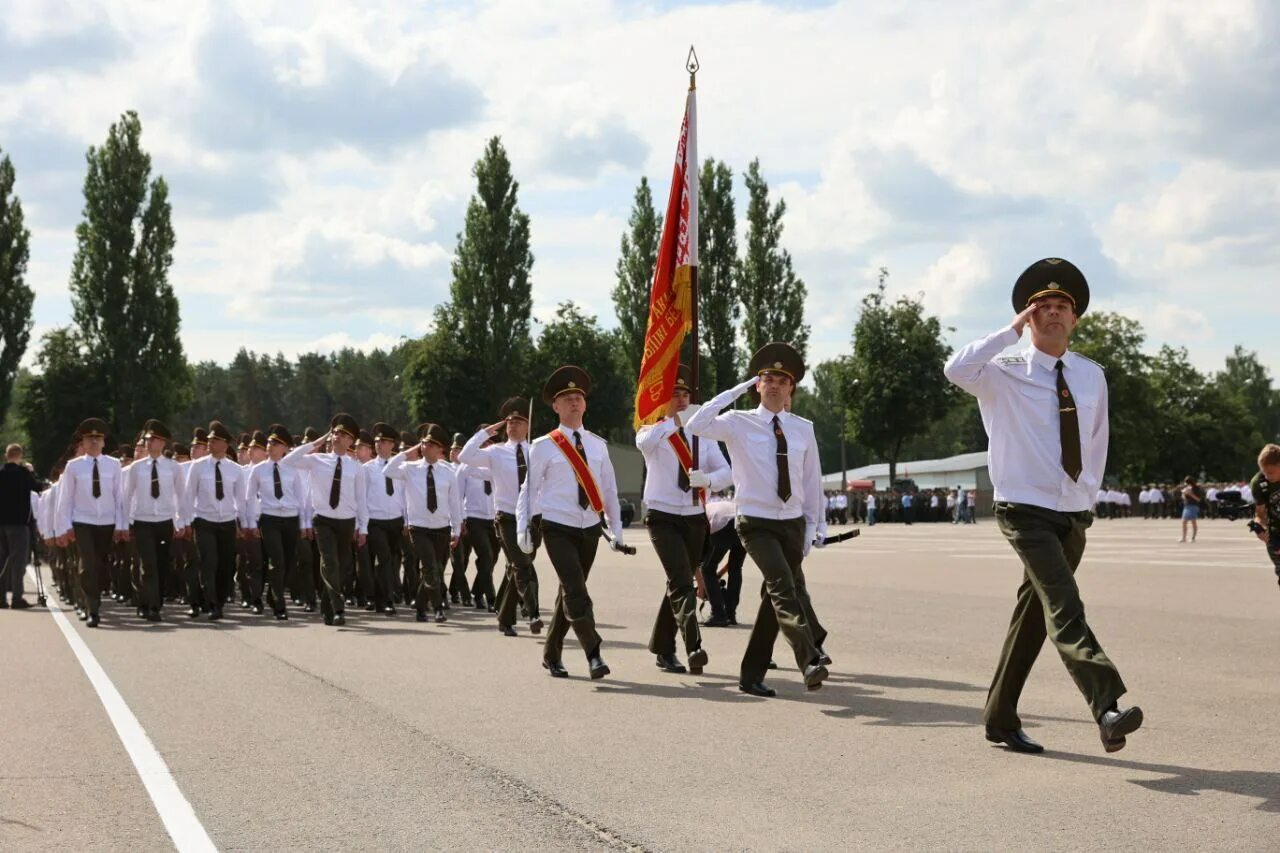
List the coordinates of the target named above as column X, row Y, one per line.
column 1010, row 360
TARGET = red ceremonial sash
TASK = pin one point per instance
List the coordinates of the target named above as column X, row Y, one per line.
column 580, row 470
column 683, row 453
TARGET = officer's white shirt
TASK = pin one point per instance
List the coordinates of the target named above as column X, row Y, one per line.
column 320, row 467
column 662, row 490
column 76, row 503
column 1115, row 496
column 48, row 506
column 752, row 447
column 871, row 501
column 413, row 477
column 500, row 461
column 1211, row 495
column 475, row 503
column 842, row 501
column 1102, row 497
column 200, row 492
column 260, row 492
column 382, row 506
column 139, row 505
column 552, row 487
column 1018, row 398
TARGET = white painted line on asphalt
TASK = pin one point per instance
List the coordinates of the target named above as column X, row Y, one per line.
column 179, row 818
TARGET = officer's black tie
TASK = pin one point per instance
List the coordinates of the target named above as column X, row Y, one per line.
column 155, row 480
column 431, row 488
column 784, row 472
column 682, row 476
column 97, row 484
column 488, row 487
column 217, row 479
column 582, row 451
column 335, row 488
column 391, row 489
column 275, row 480
column 522, row 469
column 1068, row 427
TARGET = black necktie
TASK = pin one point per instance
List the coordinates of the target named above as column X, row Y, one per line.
column 1068, row 427
column 431, row 488
column 488, row 487
column 582, row 493
column 682, row 476
column 693, row 453
column 391, row 490
column 217, row 479
column 275, row 479
column 784, row 473
column 335, row 489
column 521, row 468
column 155, row 480
column 97, row 484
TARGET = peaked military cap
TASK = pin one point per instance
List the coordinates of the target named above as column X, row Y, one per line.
column 200, row 437
column 1051, row 277
column 141, row 439
column 778, row 357
column 514, row 407
column 218, row 431
column 92, row 428
column 280, row 434
column 155, row 429
column 258, row 439
column 342, row 422
column 569, row 379
column 180, row 449
column 364, row 437
column 124, row 451
column 435, row 434
column 310, row 434
column 244, row 441
column 406, row 439
column 459, row 441
column 385, row 432
column 684, row 380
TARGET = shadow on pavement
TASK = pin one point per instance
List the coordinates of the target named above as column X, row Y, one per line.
column 1189, row 781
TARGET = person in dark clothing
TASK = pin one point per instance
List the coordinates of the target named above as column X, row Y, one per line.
column 17, row 485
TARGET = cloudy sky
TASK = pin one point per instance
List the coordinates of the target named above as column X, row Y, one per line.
column 319, row 153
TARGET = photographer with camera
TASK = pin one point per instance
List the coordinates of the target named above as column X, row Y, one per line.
column 1265, row 487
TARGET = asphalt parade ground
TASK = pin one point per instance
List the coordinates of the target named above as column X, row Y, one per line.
column 390, row 734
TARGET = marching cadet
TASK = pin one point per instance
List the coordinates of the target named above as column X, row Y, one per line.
column 384, row 497
column 677, row 473
column 507, row 466
column 187, row 547
column 153, row 492
column 477, row 530
column 337, row 495
column 1046, row 466
column 409, row 557
column 778, row 490
column 363, row 582
column 570, row 483
column 124, row 562
column 307, row 569
column 274, row 516
column 459, row 590
column 214, row 494
column 253, row 574
column 90, row 513
column 433, row 511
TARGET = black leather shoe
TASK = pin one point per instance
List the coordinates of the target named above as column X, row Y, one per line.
column 308, row 608
column 4, row 602
column 670, row 663
column 21, row 603
column 535, row 626
column 599, row 669
column 339, row 620
column 282, row 615
column 388, row 611
column 814, row 675
column 507, row 631
column 1115, row 724
column 421, row 616
column 92, row 621
column 257, row 609
column 82, row 615
column 757, row 688
column 152, row 615
column 216, row 614
column 716, row 622
column 773, row 664
column 823, row 657
column 466, row 602
column 697, row 660
column 731, row 619
column 328, row 618
column 556, row 668
column 479, row 605
column 440, row 617
column 370, row 607
column 1015, row 739
column 193, row 611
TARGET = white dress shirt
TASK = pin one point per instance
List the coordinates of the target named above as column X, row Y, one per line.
column 201, row 491
column 662, row 475
column 380, row 505
column 1018, row 398
column 413, row 475
column 260, row 493
column 318, row 471
column 552, row 487
column 76, row 503
column 45, row 516
column 475, row 503
column 753, row 449
column 500, row 461
column 139, row 505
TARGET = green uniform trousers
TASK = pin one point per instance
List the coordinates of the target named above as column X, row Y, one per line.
column 93, row 541
column 679, row 540
column 409, row 560
column 481, row 539
column 777, row 548
column 1050, row 545
column 521, row 582
column 335, row 536
column 154, row 541
column 432, row 547
column 216, row 541
column 279, row 551
column 384, row 556
column 572, row 551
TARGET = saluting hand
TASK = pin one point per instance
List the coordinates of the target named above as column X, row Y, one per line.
column 1020, row 322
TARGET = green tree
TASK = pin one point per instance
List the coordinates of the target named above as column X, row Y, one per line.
column 826, row 406
column 68, row 388
column 122, row 303
column 772, row 296
column 574, row 337
column 16, row 297
column 1115, row 342
column 1245, row 377
column 637, row 259
column 894, row 383
column 1202, row 428
column 718, row 306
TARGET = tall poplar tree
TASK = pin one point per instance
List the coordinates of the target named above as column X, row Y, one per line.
column 636, row 262
column 772, row 296
column 16, row 298
column 718, row 306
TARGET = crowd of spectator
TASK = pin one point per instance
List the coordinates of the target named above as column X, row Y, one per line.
column 1165, row 500
column 905, row 506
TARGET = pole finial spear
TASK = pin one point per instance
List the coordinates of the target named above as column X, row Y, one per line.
column 691, row 65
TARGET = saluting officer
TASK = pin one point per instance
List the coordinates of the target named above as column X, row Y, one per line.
column 781, row 509
column 337, row 495
column 570, row 483
column 274, row 504
column 385, row 498
column 153, row 497
column 1045, row 410
column 477, row 530
column 678, row 472
column 90, row 512
column 214, row 494
column 507, row 464
column 433, row 511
